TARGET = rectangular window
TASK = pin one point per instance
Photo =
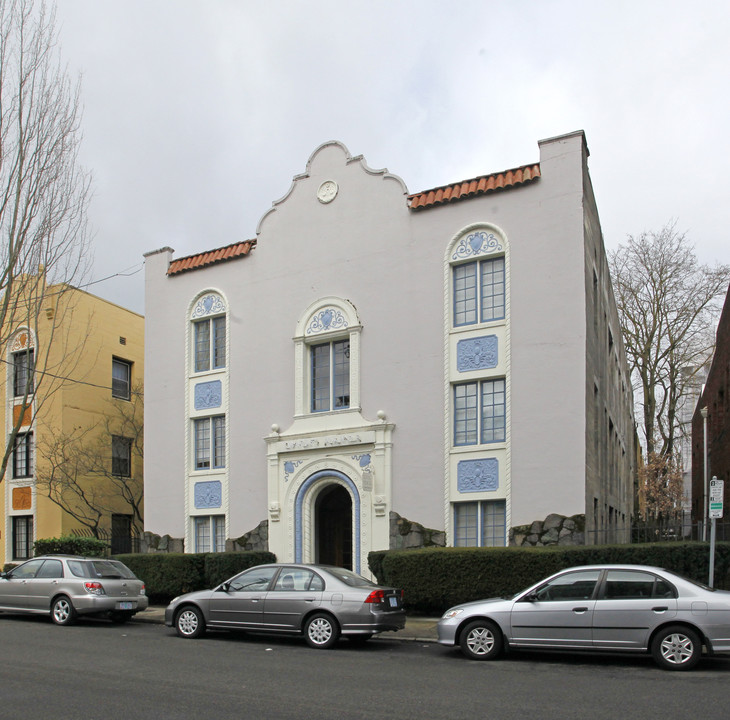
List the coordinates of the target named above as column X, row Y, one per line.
column 210, row 344
column 465, row 414
column 22, row 537
column 121, row 379
column 210, row 534
column 121, row 456
column 493, row 411
column 23, row 366
column 331, row 376
column 210, row 442
column 23, row 455
column 480, row 524
column 480, row 412
column 121, row 534
column 479, row 291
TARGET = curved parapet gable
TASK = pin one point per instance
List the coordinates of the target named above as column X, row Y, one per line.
column 348, row 159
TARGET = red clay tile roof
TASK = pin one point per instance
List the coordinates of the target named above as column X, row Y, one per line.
column 477, row 186
column 210, row 257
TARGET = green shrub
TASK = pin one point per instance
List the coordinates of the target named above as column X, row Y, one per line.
column 71, row 545
column 167, row 575
column 436, row 578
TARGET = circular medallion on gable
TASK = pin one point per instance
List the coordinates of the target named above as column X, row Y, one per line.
column 327, row 191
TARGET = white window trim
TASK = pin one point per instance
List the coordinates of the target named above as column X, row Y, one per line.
column 454, row 257
column 344, row 323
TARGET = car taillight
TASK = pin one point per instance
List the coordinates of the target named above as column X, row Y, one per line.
column 94, row 588
column 376, row 596
column 142, row 591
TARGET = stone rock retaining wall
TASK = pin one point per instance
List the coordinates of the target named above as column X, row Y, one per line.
column 405, row 534
column 554, row 530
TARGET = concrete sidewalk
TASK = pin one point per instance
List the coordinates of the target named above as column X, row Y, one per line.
column 421, row 629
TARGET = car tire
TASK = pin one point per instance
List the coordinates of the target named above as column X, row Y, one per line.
column 481, row 640
column 321, row 631
column 62, row 611
column 676, row 647
column 189, row 622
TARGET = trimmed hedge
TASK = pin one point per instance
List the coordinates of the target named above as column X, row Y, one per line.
column 167, row 575
column 434, row 579
column 70, row 545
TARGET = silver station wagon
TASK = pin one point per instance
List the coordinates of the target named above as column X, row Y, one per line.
column 627, row 608
column 321, row 602
column 67, row 586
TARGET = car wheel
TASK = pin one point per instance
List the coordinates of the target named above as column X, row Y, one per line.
column 190, row 623
column 481, row 640
column 676, row 648
column 321, row 631
column 62, row 611
column 119, row 618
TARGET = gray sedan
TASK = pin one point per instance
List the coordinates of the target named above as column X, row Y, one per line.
column 320, row 602
column 627, row 608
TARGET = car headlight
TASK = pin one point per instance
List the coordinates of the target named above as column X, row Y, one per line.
column 452, row 613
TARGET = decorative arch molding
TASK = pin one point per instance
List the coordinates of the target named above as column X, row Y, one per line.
column 23, row 339
column 308, row 492
column 208, row 303
column 328, row 315
column 475, row 241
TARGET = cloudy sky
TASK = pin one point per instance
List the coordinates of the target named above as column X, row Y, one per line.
column 198, row 113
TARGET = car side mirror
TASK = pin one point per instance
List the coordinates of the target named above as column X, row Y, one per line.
column 224, row 587
column 531, row 597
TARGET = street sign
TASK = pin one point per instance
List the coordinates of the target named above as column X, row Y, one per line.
column 716, row 496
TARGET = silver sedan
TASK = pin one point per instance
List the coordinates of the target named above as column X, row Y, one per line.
column 627, row 608
column 320, row 602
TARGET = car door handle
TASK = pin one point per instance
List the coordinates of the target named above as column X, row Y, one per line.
column 660, row 609
column 580, row 610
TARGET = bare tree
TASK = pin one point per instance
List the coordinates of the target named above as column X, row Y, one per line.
column 96, row 471
column 44, row 196
column 668, row 306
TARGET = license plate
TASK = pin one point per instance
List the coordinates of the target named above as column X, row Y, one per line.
column 393, row 601
column 124, row 606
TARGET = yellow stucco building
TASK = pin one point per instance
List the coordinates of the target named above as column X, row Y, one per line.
column 72, row 394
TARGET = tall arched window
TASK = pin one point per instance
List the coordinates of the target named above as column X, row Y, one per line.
column 209, row 333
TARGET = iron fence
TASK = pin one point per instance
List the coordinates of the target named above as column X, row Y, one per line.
column 662, row 530
column 117, row 544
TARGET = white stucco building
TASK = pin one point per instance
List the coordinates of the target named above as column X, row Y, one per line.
column 452, row 356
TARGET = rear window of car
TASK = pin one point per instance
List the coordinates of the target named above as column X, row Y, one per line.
column 350, row 578
column 100, row 569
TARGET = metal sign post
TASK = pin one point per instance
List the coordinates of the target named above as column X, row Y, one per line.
column 716, row 496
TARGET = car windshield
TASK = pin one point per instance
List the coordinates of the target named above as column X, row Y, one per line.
column 350, row 578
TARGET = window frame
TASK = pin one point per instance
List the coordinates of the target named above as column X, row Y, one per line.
column 214, row 442
column 469, row 296
column 215, row 538
column 335, row 375
column 119, row 441
column 470, row 420
column 125, row 393
column 483, row 534
column 24, row 372
column 211, row 353
column 27, row 456
column 27, row 540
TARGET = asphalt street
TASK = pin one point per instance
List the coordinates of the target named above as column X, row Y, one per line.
column 95, row 669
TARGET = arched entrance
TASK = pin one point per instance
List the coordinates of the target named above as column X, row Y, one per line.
column 333, row 527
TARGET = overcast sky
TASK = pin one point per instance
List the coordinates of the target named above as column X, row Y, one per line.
column 198, row 113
